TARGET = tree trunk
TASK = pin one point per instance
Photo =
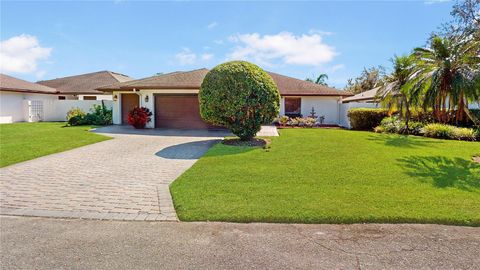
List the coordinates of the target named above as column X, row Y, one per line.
column 472, row 117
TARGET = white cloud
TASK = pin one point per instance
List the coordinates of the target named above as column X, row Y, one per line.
column 212, row 25
column 334, row 68
column 186, row 57
column 306, row 49
column 21, row 54
column 431, row 2
column 218, row 41
column 207, row 56
column 320, row 32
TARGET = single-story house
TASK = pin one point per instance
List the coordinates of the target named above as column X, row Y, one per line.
column 13, row 95
column 372, row 97
column 369, row 96
column 173, row 99
column 83, row 86
column 23, row 101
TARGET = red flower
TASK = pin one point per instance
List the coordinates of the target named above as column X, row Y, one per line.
column 139, row 117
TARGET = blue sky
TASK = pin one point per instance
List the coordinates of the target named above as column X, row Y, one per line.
column 43, row 40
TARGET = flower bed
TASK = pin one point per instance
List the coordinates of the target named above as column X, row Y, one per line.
column 301, row 122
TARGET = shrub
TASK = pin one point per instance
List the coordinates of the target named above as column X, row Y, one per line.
column 139, row 117
column 422, row 116
column 392, row 124
column 283, row 120
column 439, row 131
column 301, row 121
column 379, row 129
column 293, row 122
column 366, row 119
column 464, row 134
column 240, row 96
column 415, row 128
column 99, row 115
column 76, row 120
column 76, row 113
column 310, row 122
column 450, row 132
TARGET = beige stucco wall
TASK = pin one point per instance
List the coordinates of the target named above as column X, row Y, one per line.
column 150, row 104
column 327, row 106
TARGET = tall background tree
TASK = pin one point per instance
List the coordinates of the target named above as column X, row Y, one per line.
column 446, row 75
column 368, row 79
column 395, row 91
column 321, row 79
column 466, row 18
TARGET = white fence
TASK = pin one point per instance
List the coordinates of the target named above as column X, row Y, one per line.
column 56, row 110
column 344, row 121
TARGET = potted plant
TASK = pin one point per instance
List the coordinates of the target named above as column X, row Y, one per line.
column 139, row 117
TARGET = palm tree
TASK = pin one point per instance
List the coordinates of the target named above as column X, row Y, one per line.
column 446, row 76
column 321, row 79
column 395, row 93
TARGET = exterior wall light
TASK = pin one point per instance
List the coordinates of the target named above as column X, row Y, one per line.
column 115, row 97
column 146, row 99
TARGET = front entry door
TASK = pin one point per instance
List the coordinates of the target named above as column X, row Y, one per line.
column 129, row 101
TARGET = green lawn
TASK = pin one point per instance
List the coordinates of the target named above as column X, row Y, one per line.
column 25, row 141
column 334, row 176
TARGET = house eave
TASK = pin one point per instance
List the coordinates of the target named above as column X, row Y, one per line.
column 27, row 91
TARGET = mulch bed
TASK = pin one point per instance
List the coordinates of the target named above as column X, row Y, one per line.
column 253, row 142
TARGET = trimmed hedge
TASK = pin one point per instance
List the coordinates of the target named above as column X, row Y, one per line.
column 366, row 119
column 240, row 96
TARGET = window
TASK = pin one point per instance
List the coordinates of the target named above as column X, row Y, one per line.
column 293, row 106
column 61, row 97
column 89, row 98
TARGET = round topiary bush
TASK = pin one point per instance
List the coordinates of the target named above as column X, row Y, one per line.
column 240, row 96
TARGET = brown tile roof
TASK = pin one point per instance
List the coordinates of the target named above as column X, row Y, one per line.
column 9, row 83
column 85, row 83
column 288, row 86
column 174, row 80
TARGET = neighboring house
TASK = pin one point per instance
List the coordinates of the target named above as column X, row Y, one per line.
column 22, row 101
column 368, row 96
column 83, row 87
column 18, row 96
column 173, row 99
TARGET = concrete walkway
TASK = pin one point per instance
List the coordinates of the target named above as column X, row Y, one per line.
column 126, row 178
column 39, row 243
column 268, row 131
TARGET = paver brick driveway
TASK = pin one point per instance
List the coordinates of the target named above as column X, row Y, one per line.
column 124, row 178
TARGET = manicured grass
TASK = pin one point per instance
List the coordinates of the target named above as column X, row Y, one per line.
column 334, row 176
column 25, row 141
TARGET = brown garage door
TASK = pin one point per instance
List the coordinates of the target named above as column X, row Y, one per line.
column 178, row 112
column 129, row 101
